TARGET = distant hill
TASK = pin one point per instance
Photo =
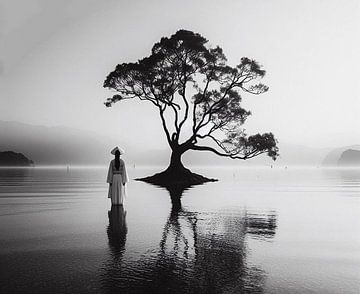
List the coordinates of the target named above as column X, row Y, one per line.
column 332, row 158
column 9, row 158
column 349, row 157
column 56, row 145
column 68, row 146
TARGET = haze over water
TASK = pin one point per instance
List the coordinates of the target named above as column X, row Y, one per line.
column 257, row 230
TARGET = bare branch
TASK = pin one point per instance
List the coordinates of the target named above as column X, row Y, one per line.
column 232, row 156
column 161, row 112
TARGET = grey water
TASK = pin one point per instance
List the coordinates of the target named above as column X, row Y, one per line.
column 256, row 230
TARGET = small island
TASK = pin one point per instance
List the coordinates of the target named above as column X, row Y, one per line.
column 349, row 157
column 10, row 158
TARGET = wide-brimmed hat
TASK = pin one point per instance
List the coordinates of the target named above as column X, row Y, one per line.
column 117, row 149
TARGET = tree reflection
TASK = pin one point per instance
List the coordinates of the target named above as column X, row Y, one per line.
column 202, row 253
column 218, row 261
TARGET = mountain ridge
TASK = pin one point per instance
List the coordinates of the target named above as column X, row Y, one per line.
column 10, row 158
column 59, row 145
column 349, row 157
column 332, row 158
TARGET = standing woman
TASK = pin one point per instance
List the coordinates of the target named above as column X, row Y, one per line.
column 117, row 178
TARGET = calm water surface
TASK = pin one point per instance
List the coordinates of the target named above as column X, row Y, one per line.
column 255, row 231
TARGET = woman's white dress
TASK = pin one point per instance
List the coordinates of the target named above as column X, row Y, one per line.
column 117, row 179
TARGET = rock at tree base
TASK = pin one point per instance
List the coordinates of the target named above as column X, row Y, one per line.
column 172, row 178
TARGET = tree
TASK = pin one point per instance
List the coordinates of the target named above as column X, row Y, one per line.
column 192, row 87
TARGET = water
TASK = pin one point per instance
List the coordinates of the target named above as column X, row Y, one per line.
column 255, row 231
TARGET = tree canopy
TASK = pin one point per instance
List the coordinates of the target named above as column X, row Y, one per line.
column 192, row 87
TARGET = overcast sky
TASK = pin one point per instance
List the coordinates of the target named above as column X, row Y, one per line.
column 55, row 55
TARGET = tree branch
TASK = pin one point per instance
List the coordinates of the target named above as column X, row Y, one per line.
column 183, row 96
column 195, row 104
column 232, row 156
column 161, row 112
column 176, row 114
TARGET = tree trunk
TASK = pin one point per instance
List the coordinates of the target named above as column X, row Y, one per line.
column 175, row 161
column 176, row 178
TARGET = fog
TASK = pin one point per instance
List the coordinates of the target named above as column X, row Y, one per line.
column 54, row 56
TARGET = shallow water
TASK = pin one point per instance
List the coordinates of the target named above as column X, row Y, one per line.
column 255, row 231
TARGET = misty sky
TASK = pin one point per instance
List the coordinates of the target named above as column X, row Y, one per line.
column 55, row 55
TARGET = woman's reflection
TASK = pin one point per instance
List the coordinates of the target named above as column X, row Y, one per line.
column 117, row 230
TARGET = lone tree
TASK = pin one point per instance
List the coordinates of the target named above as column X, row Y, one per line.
column 193, row 89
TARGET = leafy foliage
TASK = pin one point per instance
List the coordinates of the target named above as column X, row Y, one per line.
column 191, row 84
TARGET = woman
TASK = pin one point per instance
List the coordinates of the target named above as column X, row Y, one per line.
column 117, row 178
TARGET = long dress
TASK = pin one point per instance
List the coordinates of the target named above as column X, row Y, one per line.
column 117, row 179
